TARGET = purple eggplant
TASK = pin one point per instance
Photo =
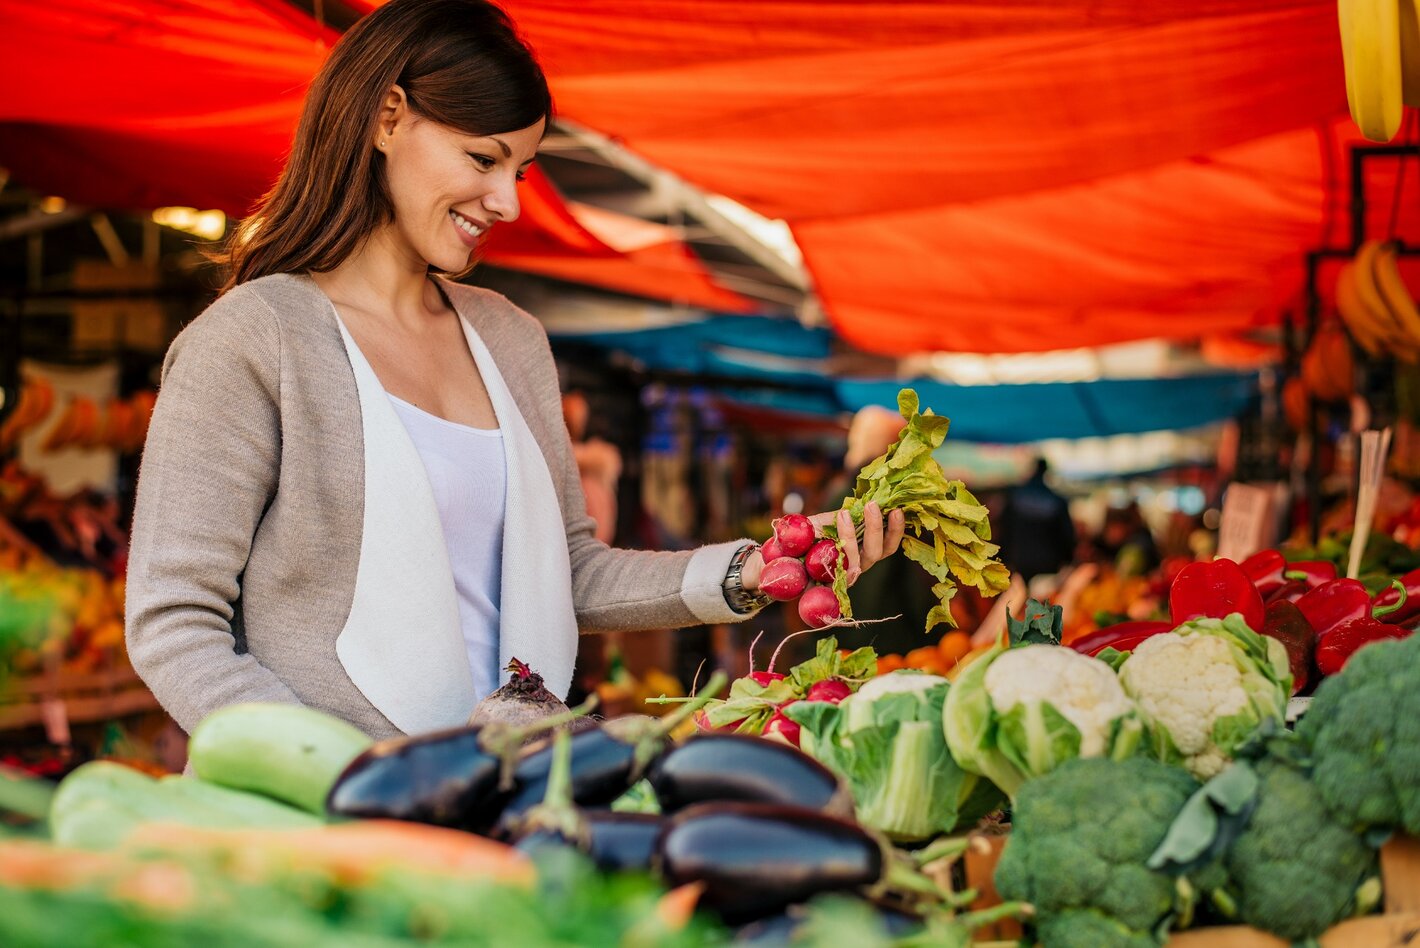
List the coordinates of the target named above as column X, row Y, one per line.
column 756, row 859
column 616, row 842
column 740, row 767
column 446, row 778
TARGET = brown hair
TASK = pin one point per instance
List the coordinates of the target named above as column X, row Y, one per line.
column 461, row 63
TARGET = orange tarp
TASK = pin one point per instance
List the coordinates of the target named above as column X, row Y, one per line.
column 965, row 175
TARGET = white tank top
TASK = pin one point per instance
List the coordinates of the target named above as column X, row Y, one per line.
column 468, row 473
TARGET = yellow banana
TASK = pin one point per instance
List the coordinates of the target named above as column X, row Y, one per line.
column 1370, row 50
column 1359, row 320
column 1410, row 52
column 1395, row 293
column 1397, row 339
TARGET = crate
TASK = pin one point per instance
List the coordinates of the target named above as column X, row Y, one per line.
column 1398, row 925
column 56, row 699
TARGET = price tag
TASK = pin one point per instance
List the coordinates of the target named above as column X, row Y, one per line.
column 1246, row 524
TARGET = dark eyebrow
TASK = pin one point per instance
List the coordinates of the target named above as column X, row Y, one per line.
column 507, row 152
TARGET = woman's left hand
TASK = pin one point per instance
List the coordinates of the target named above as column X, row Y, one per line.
column 881, row 539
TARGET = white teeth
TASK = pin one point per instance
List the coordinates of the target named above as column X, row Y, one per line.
column 468, row 226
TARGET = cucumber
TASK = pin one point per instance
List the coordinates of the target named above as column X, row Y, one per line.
column 96, row 823
column 97, row 805
column 243, row 810
column 285, row 751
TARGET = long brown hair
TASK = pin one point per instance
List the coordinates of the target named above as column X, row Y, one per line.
column 461, row 63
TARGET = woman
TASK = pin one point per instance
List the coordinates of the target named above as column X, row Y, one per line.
column 357, row 491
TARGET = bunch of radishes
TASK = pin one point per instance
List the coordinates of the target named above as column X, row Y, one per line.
column 799, row 565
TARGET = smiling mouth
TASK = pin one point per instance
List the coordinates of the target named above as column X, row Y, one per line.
column 466, row 225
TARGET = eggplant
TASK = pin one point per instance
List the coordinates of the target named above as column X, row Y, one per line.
column 616, row 842
column 603, row 768
column 446, row 778
column 740, row 767
column 756, row 859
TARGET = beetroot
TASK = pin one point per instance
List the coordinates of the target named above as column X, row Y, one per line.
column 783, row 579
column 523, row 700
column 770, row 550
column 795, row 534
column 822, row 561
column 819, row 607
column 832, row 690
column 782, row 728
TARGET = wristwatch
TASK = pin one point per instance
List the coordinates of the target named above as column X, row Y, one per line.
column 740, row 599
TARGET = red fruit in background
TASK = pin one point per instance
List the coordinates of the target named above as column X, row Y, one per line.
column 770, row 550
column 822, row 561
column 795, row 534
column 782, row 728
column 832, row 690
column 783, row 579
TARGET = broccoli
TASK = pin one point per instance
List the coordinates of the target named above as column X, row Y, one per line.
column 1363, row 733
column 1294, row 871
column 1080, row 838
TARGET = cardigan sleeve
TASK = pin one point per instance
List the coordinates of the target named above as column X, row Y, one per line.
column 209, row 469
column 622, row 590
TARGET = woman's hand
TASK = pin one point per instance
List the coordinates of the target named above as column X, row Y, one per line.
column 881, row 539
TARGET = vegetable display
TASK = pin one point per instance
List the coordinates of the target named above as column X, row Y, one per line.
column 1363, row 734
column 1204, row 688
column 887, row 742
column 1080, row 839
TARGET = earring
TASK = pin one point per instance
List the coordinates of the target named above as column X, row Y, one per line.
column 382, row 143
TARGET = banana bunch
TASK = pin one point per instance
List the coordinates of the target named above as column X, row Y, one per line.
column 1380, row 46
column 1375, row 304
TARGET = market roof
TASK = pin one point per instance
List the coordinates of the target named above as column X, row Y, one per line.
column 969, row 176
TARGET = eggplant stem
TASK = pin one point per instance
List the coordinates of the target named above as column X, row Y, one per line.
column 557, row 813
column 949, row 847
column 653, row 742
column 504, row 742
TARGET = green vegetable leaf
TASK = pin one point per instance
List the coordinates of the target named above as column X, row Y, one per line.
column 1036, row 738
column 1113, row 657
column 1209, row 822
column 948, row 530
column 827, row 662
column 1043, row 624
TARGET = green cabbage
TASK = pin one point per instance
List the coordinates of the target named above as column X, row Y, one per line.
column 886, row 741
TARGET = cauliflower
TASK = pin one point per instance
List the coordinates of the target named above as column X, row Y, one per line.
column 1086, row 692
column 1363, row 731
column 1204, row 688
column 1080, row 842
column 1020, row 712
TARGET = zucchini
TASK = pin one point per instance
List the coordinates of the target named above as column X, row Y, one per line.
column 286, row 751
column 243, row 810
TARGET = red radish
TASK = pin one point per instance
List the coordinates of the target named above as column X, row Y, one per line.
column 795, row 534
column 783, row 579
column 822, row 561
column 819, row 607
column 832, row 690
column 765, row 678
column 782, row 728
column 770, row 550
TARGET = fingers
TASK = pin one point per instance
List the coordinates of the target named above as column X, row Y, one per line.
column 850, row 545
column 896, row 527
column 872, row 534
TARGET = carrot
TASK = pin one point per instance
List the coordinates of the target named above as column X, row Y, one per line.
column 351, row 852
column 31, row 864
column 677, row 906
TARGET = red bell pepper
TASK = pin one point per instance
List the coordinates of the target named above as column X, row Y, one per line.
column 1312, row 572
column 1340, row 601
column 1408, row 605
column 1348, row 638
column 1286, row 624
column 1214, row 590
column 1266, row 569
column 1122, row 637
column 1290, row 591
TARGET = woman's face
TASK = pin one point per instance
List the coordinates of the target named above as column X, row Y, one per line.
column 448, row 188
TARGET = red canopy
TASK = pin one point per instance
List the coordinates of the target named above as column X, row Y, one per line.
column 970, row 175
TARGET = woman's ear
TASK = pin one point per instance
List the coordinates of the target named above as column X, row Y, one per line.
column 393, row 111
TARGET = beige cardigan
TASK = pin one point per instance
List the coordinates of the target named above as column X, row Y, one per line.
column 285, row 546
